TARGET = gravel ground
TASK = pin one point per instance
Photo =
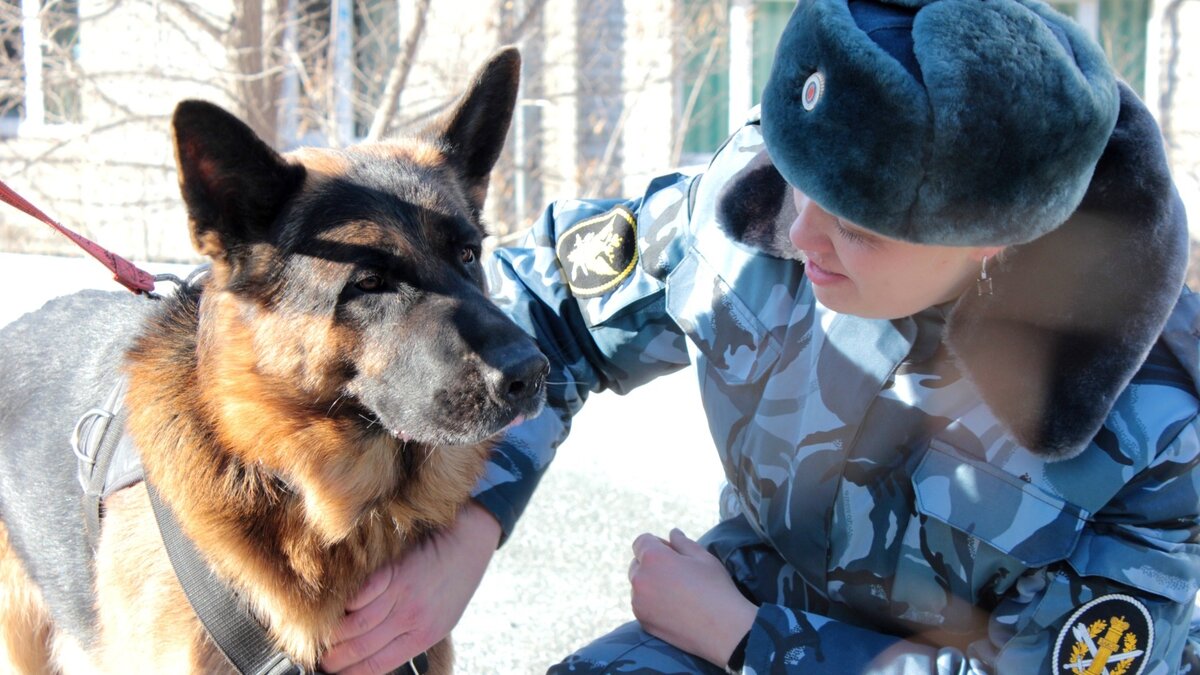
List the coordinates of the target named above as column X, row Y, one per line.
column 642, row 462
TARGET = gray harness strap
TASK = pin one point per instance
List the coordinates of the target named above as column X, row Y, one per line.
column 235, row 631
column 107, row 461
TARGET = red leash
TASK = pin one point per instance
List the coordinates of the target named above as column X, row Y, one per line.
column 124, row 272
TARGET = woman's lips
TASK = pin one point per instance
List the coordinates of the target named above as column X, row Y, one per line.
column 819, row 275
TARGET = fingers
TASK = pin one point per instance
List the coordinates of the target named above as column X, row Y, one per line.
column 646, row 543
column 409, row 605
column 364, row 619
column 649, row 549
column 378, row 650
column 685, row 545
column 376, row 584
column 372, row 631
column 386, row 659
column 677, row 542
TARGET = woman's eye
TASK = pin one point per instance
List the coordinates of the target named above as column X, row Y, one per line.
column 468, row 255
column 370, row 283
column 848, row 234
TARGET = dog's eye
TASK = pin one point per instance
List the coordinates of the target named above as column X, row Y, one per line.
column 369, row 283
column 468, row 255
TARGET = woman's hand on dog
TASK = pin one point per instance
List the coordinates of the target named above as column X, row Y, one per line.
column 683, row 595
column 409, row 605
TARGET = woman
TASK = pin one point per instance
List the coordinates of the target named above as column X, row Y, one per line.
column 934, row 298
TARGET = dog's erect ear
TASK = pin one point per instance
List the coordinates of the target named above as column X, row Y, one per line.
column 475, row 128
column 232, row 182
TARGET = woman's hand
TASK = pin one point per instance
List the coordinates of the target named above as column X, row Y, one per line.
column 682, row 594
column 409, row 605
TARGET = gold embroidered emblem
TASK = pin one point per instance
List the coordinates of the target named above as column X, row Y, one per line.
column 598, row 253
column 1091, row 657
column 594, row 253
column 1110, row 635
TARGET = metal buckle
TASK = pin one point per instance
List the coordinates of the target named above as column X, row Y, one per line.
column 84, row 448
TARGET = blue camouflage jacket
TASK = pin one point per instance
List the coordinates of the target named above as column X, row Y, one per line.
column 927, row 538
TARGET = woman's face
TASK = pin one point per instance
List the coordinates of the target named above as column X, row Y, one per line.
column 855, row 271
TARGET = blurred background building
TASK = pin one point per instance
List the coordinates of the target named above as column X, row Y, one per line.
column 613, row 91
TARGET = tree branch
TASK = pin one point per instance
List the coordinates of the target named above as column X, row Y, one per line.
column 398, row 76
column 203, row 22
column 1169, row 80
column 518, row 29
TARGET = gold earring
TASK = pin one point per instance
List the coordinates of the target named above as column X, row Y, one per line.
column 983, row 285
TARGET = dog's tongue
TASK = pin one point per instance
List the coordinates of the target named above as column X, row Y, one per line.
column 515, row 422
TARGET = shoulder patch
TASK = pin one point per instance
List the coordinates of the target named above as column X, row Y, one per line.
column 597, row 253
column 1111, row 634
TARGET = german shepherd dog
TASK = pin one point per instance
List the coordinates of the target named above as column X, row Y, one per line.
column 319, row 402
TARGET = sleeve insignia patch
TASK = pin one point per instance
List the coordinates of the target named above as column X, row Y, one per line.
column 1111, row 635
column 598, row 253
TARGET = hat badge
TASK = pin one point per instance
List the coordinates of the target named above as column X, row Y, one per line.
column 814, row 87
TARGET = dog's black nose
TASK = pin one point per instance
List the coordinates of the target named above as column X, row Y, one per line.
column 523, row 379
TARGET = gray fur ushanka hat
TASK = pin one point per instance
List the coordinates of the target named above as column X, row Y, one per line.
column 957, row 122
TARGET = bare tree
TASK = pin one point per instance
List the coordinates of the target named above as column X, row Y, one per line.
column 398, row 76
column 326, row 72
column 48, row 49
column 1168, row 87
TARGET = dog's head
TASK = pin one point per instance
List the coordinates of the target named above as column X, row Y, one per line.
column 350, row 280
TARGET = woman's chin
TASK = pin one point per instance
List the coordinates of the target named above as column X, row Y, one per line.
column 843, row 302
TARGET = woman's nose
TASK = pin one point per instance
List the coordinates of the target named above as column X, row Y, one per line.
column 810, row 229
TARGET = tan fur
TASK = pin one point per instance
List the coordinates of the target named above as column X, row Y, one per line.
column 256, row 404
column 292, row 507
column 320, row 162
column 70, row 656
column 322, row 495
column 24, row 619
column 419, row 153
column 138, row 595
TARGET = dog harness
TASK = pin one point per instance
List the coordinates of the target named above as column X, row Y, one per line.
column 107, row 462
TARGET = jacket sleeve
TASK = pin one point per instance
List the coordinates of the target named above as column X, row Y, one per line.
column 1126, row 594
column 588, row 283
